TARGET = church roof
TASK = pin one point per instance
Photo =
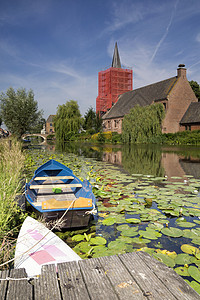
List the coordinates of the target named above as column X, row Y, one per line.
column 192, row 114
column 142, row 96
column 116, row 59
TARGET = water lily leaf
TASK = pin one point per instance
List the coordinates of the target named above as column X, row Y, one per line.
column 99, row 251
column 186, row 224
column 189, row 249
column 195, row 261
column 196, row 240
column 109, row 221
column 172, row 231
column 194, row 273
column 82, row 247
column 150, row 234
column 132, row 220
column 117, row 245
column 140, row 240
column 130, row 232
column 123, row 227
column 78, row 237
column 187, row 233
column 165, row 259
column 182, row 271
column 195, row 286
column 98, row 240
column 125, row 239
column 182, row 259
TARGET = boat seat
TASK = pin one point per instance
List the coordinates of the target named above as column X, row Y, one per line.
column 55, row 204
column 53, row 177
column 47, row 186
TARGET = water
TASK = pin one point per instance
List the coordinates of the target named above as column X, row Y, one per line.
column 145, row 159
column 147, row 190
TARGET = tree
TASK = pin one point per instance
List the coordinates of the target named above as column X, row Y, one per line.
column 92, row 121
column 67, row 121
column 39, row 126
column 143, row 123
column 196, row 88
column 89, row 119
column 19, row 111
column 99, row 122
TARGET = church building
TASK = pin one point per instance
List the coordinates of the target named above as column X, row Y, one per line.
column 112, row 82
column 182, row 109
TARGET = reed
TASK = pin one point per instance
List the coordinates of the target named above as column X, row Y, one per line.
column 11, row 174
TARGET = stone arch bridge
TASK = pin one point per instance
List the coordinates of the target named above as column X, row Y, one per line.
column 43, row 136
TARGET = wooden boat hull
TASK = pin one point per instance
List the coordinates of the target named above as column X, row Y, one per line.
column 54, row 189
column 73, row 218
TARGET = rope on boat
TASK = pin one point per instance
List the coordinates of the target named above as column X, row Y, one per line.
column 92, row 212
column 13, row 259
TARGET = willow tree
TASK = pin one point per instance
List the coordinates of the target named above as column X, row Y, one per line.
column 143, row 123
column 67, row 121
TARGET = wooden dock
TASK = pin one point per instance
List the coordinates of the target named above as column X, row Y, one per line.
column 128, row 276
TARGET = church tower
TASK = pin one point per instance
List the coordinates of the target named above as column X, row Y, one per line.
column 112, row 83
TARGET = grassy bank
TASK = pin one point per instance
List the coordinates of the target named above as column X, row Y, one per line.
column 11, row 169
column 178, row 138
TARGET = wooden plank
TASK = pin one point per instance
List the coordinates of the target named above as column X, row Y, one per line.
column 53, row 177
column 56, row 204
column 148, row 282
column 46, row 286
column 47, row 186
column 96, row 280
column 71, row 282
column 175, row 283
column 3, row 284
column 19, row 289
column 122, row 281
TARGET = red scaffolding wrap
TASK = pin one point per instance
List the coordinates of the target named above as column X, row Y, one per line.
column 112, row 83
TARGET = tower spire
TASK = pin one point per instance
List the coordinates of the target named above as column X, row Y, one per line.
column 116, row 60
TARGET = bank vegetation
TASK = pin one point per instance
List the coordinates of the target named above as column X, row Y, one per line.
column 11, row 217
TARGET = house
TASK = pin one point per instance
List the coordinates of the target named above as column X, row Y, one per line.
column 50, row 125
column 174, row 93
column 191, row 119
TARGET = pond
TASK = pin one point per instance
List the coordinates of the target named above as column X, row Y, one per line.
column 148, row 199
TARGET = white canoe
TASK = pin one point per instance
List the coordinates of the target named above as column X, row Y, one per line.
column 37, row 246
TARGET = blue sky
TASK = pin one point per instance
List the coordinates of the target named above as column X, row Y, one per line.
column 57, row 47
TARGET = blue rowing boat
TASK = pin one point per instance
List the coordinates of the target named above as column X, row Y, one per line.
column 54, row 189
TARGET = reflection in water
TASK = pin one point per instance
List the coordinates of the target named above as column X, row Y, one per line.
column 144, row 159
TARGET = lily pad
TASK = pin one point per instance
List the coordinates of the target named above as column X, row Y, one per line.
column 182, row 259
column 194, row 273
column 195, row 286
column 189, row 249
column 98, row 240
column 78, row 237
column 150, row 234
column 133, row 220
column 172, row 231
column 165, row 259
column 109, row 221
column 182, row 271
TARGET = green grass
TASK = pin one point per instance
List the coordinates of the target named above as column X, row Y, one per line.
column 11, row 173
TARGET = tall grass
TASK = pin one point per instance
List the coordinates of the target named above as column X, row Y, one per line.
column 11, row 174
